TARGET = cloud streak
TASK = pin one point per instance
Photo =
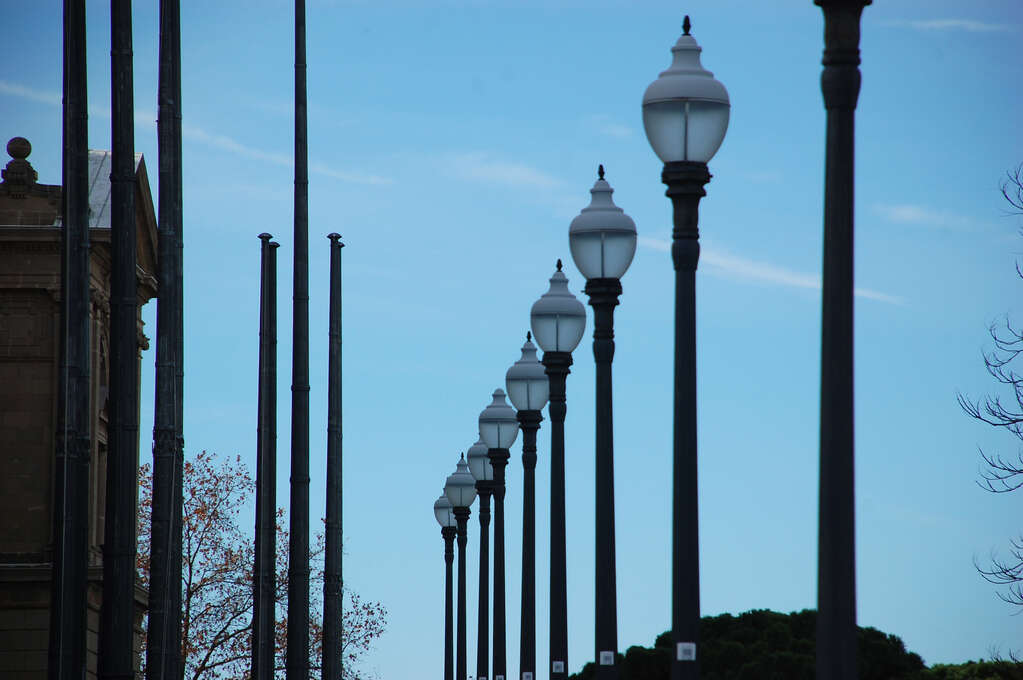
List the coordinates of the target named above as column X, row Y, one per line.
column 483, row 167
column 910, row 213
column 605, row 125
column 738, row 268
column 15, row 90
column 969, row 25
column 194, row 133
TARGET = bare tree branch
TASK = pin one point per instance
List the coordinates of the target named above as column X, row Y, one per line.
column 1000, row 474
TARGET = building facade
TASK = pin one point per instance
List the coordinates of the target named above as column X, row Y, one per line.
column 30, row 248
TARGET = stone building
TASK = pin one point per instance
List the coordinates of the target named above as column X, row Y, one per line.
column 30, row 247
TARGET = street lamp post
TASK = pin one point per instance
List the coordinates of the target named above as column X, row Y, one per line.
column 603, row 241
column 685, row 114
column 483, row 472
column 460, row 488
column 528, row 389
column 445, row 515
column 498, row 429
column 558, row 320
column 836, row 561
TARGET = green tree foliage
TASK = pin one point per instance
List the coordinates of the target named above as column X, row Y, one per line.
column 975, row 670
column 765, row 645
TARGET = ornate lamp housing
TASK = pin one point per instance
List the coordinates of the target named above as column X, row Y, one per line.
column 602, row 237
column 460, row 487
column 526, row 381
column 443, row 512
column 498, row 425
column 479, row 463
column 685, row 111
column 558, row 319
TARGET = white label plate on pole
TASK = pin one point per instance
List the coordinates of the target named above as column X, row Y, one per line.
column 687, row 651
column 500, row 677
column 607, row 658
column 526, row 675
column 557, row 666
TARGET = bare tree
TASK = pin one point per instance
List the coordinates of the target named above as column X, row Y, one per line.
column 216, row 625
column 1004, row 410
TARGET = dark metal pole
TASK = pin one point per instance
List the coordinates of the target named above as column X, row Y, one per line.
column 332, row 581
column 685, row 181
column 164, row 634
column 67, row 643
column 603, row 294
column 499, row 460
column 298, row 567
column 448, row 533
column 116, row 658
column 264, row 581
column 179, row 339
column 556, row 366
column 529, row 422
column 462, row 517
column 836, row 563
column 484, row 489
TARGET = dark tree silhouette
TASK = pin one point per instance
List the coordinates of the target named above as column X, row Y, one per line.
column 766, row 645
column 1004, row 410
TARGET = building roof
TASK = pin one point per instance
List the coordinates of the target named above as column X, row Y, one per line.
column 99, row 186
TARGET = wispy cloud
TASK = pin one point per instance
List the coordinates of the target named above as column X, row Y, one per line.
column 483, row 167
column 147, row 118
column 604, row 124
column 969, row 25
column 909, row 213
column 740, row 268
column 15, row 90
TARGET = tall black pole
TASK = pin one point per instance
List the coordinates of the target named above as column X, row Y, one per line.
column 179, row 338
column 117, row 615
column 484, row 489
column 499, row 461
column 67, row 643
column 603, row 294
column 556, row 366
column 332, row 582
column 264, row 581
column 685, row 181
column 448, row 534
column 163, row 647
column 529, row 422
column 462, row 518
column 836, row 562
column 298, row 550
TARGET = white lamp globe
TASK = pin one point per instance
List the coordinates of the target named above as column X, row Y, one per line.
column 498, row 425
column 443, row 512
column 558, row 319
column 479, row 462
column 602, row 237
column 685, row 111
column 460, row 487
column 526, row 381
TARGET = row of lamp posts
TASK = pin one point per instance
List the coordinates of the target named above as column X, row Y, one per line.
column 685, row 113
column 603, row 241
column 685, row 116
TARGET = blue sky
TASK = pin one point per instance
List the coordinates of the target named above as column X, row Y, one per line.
column 451, row 144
